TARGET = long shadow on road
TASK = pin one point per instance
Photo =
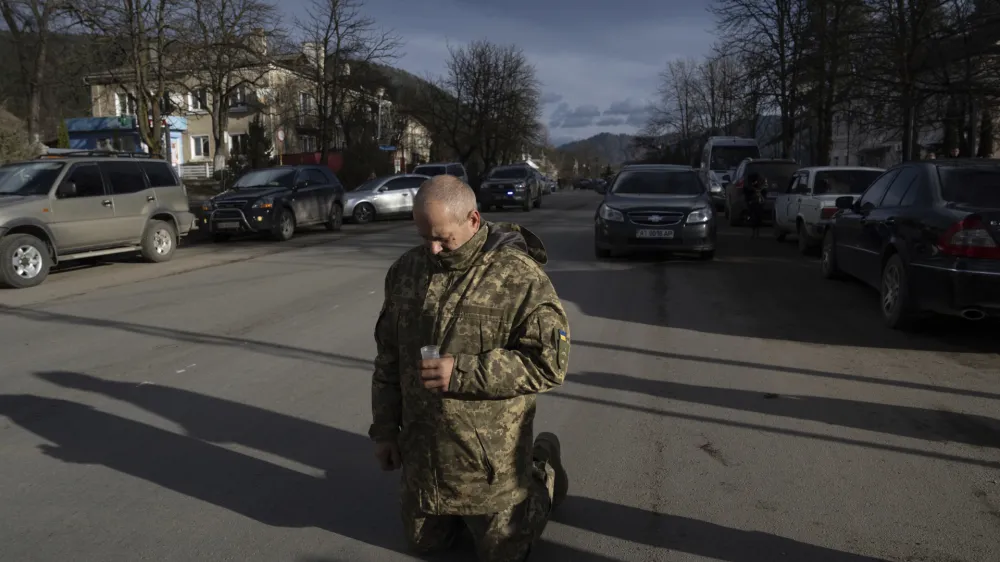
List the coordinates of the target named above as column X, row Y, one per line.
column 904, row 421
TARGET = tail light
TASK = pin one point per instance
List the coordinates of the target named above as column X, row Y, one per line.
column 827, row 212
column 969, row 238
column 738, row 184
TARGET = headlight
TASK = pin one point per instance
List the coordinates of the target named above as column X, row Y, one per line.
column 518, row 186
column 264, row 203
column 716, row 187
column 207, row 205
column 609, row 214
column 701, row 215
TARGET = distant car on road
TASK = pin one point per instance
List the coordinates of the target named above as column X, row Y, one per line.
column 443, row 168
column 806, row 205
column 509, row 186
column 927, row 235
column 75, row 205
column 656, row 207
column 277, row 202
column 385, row 197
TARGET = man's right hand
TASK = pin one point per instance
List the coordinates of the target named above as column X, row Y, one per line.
column 387, row 453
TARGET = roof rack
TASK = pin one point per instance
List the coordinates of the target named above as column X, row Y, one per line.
column 98, row 153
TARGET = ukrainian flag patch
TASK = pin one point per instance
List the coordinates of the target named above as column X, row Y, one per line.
column 562, row 335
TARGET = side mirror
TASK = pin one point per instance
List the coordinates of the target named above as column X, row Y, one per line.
column 66, row 189
column 301, row 184
column 845, row 203
column 382, row 189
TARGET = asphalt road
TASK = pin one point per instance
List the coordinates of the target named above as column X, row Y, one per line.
column 744, row 410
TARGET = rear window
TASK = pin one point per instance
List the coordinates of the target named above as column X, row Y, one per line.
column 509, row 173
column 975, row 186
column 729, row 157
column 843, row 182
column 430, row 170
column 158, row 174
column 776, row 174
column 658, row 182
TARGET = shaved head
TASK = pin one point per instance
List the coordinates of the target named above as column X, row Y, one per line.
column 445, row 212
column 449, row 191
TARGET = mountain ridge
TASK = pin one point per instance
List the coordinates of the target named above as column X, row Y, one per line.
column 606, row 148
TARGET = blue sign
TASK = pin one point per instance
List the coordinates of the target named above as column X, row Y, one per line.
column 387, row 148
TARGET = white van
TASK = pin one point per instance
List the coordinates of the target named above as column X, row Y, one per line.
column 719, row 158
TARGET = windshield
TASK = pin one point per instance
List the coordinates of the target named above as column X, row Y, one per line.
column 29, row 178
column 729, row 157
column 430, row 170
column 280, row 177
column 975, row 186
column 843, row 182
column 368, row 185
column 508, row 174
column 776, row 174
column 658, row 182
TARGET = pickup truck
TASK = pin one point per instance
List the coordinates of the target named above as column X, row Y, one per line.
column 809, row 201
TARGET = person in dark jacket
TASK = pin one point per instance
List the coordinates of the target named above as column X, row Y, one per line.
column 755, row 192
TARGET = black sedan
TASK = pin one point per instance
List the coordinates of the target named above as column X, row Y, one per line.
column 277, row 201
column 927, row 235
column 658, row 208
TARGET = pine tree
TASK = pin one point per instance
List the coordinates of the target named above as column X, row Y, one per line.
column 63, row 135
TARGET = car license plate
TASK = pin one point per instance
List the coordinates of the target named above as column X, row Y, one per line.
column 227, row 225
column 650, row 233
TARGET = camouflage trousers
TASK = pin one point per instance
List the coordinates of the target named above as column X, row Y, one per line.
column 506, row 536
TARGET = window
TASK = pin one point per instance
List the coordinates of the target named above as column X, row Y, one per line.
column 398, row 184
column 238, row 97
column 200, row 146
column 802, row 184
column 167, row 103
column 124, row 104
column 274, row 177
column 158, row 174
column 430, row 170
column 975, row 186
column 239, row 144
column 123, row 177
column 198, row 100
column 306, row 103
column 29, row 178
column 843, row 182
column 456, row 170
column 874, row 193
column 308, row 143
column 315, row 177
column 87, row 178
column 415, row 183
column 513, row 173
column 729, row 157
column 774, row 174
column 899, row 186
column 658, row 182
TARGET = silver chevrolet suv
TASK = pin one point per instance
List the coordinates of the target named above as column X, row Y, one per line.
column 87, row 204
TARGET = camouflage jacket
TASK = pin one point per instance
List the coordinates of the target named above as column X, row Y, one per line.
column 467, row 451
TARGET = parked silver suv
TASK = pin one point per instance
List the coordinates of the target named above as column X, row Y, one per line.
column 87, row 204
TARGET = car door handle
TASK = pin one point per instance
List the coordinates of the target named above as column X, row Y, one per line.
column 406, row 194
column 150, row 198
column 106, row 202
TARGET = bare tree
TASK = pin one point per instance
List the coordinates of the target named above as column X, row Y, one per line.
column 677, row 114
column 31, row 23
column 225, row 57
column 342, row 43
column 140, row 38
column 768, row 34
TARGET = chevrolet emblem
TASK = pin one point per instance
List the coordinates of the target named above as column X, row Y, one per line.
column 655, row 218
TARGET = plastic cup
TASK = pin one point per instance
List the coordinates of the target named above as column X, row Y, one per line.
column 430, row 352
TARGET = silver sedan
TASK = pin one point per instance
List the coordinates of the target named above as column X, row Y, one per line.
column 385, row 197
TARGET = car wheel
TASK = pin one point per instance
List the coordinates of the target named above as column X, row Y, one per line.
column 364, row 213
column 803, row 239
column 601, row 253
column 159, row 242
column 336, row 219
column 538, row 202
column 828, row 257
column 779, row 234
column 527, row 205
column 285, row 229
column 897, row 307
column 707, row 255
column 25, row 261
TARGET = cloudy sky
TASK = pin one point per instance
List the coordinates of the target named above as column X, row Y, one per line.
column 598, row 61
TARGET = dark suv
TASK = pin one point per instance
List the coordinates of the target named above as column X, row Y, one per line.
column 86, row 204
column 509, row 186
column 277, row 201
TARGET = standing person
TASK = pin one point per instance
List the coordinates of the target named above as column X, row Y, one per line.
column 755, row 192
column 460, row 425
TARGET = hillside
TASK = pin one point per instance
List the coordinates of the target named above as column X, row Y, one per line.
column 605, row 147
